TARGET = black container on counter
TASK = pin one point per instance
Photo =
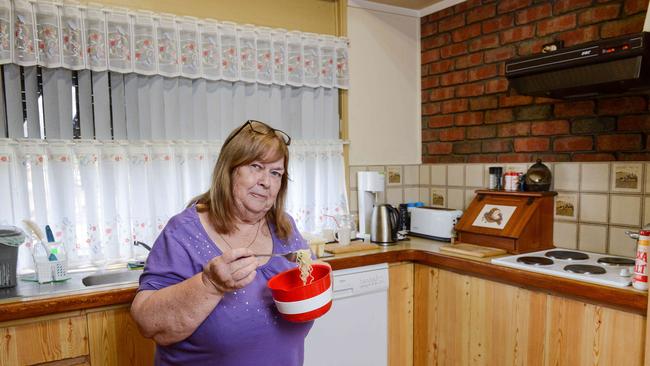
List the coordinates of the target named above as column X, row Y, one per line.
column 496, row 173
column 538, row 177
column 404, row 223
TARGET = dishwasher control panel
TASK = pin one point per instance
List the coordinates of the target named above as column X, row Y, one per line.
column 360, row 280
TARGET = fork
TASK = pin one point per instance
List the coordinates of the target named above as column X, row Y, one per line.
column 291, row 256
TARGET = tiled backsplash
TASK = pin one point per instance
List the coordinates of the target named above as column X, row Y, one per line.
column 595, row 205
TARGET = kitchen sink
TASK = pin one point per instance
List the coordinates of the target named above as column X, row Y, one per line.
column 111, row 278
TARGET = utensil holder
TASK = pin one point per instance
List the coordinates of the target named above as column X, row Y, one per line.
column 48, row 271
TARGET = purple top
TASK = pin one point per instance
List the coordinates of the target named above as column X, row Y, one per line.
column 244, row 328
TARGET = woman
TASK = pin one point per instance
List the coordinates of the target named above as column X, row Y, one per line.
column 203, row 295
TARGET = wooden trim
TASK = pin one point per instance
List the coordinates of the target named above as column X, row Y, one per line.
column 516, row 193
column 57, row 316
column 623, row 299
column 342, row 31
column 51, row 305
column 76, row 361
column 400, row 314
column 109, row 308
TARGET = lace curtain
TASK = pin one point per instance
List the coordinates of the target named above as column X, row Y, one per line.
column 100, row 196
column 98, row 38
column 114, row 118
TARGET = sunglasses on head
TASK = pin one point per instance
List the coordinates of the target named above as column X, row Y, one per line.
column 281, row 134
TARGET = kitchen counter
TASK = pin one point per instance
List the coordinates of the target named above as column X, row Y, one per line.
column 36, row 303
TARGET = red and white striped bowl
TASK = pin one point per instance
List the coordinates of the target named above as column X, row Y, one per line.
column 300, row 303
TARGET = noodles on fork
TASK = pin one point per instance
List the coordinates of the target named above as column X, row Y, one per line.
column 303, row 259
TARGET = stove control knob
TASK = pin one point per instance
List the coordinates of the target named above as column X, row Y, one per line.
column 625, row 272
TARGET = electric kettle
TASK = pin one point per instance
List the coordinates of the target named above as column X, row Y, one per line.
column 383, row 225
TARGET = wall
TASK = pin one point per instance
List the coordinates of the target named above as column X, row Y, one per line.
column 596, row 202
column 384, row 111
column 470, row 116
column 318, row 16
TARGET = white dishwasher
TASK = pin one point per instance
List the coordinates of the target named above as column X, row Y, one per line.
column 355, row 330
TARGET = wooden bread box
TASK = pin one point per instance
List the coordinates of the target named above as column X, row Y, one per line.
column 518, row 222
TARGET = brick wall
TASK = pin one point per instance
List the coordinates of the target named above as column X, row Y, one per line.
column 470, row 116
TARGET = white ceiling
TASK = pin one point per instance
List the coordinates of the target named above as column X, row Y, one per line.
column 416, row 8
column 409, row 4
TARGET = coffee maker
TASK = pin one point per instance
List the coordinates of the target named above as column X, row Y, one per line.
column 369, row 183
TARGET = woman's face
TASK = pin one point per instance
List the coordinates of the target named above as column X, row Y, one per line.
column 255, row 187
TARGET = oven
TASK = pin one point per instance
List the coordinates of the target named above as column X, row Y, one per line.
column 601, row 269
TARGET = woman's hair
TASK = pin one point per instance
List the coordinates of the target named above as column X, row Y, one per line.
column 253, row 141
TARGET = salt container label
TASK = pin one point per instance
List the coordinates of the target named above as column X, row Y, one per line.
column 641, row 261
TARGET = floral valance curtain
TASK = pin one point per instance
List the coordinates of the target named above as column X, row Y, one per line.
column 100, row 196
column 91, row 37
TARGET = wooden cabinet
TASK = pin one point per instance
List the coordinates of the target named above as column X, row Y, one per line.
column 435, row 317
column 115, row 340
column 463, row 320
column 105, row 337
column 400, row 314
column 45, row 339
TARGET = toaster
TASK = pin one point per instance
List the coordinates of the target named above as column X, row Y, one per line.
column 434, row 223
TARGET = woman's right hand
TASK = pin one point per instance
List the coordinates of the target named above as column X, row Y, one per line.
column 230, row 271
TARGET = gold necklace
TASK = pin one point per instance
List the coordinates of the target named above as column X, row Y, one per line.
column 259, row 224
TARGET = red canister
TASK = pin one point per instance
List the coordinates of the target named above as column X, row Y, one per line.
column 640, row 280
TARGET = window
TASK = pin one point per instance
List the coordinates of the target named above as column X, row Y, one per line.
column 106, row 158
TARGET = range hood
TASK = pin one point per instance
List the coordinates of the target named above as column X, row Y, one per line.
column 613, row 65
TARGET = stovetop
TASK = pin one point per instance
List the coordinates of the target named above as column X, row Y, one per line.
column 602, row 269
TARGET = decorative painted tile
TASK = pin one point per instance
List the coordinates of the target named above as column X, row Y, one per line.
column 625, row 210
column 565, row 234
column 594, row 177
column 394, row 174
column 411, row 194
column 438, row 175
column 474, row 175
column 566, row 206
column 353, row 175
column 394, row 196
column 455, row 198
column 425, row 196
column 626, row 177
column 593, row 207
column 424, row 174
column 438, row 197
column 593, row 238
column 621, row 244
column 566, row 176
column 455, row 175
